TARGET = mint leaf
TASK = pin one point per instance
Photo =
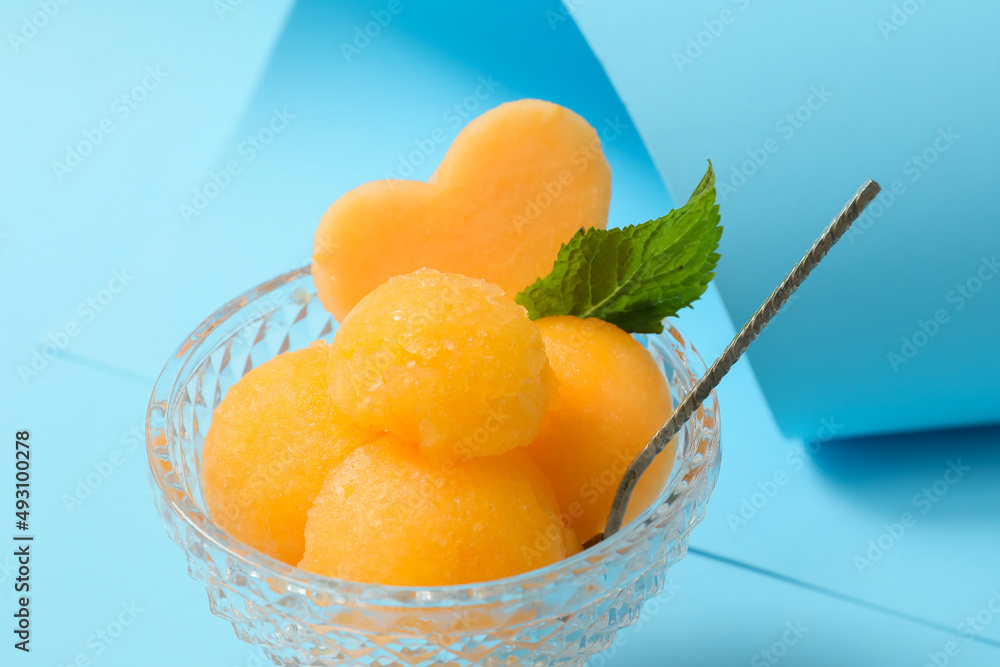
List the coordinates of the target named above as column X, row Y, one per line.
column 636, row 276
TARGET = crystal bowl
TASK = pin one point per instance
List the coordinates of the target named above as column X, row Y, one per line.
column 558, row 615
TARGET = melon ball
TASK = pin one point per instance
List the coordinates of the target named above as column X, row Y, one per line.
column 612, row 399
column 517, row 183
column 445, row 361
column 272, row 440
column 388, row 515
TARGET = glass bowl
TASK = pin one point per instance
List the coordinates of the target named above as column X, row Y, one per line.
column 559, row 615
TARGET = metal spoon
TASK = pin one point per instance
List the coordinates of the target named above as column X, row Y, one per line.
column 732, row 353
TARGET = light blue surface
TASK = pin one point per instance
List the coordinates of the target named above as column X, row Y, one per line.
column 110, row 549
column 731, row 598
column 809, row 101
column 748, row 614
column 63, row 240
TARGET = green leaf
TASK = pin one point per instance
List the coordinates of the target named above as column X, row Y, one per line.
column 638, row 275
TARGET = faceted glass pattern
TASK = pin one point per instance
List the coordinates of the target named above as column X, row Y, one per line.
column 558, row 615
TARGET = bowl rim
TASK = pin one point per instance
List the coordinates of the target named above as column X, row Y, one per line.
column 330, row 589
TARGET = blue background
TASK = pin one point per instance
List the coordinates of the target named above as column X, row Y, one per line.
column 790, row 558
column 798, row 104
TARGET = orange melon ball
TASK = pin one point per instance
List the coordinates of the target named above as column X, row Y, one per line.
column 272, row 440
column 388, row 515
column 445, row 361
column 612, row 399
column 516, row 183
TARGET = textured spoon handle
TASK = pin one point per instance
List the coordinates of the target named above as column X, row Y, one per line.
column 734, row 351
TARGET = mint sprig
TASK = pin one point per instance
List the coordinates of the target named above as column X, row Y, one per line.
column 634, row 276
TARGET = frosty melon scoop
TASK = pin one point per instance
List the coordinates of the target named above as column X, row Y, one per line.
column 516, row 183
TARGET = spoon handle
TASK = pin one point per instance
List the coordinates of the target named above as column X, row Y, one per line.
column 733, row 352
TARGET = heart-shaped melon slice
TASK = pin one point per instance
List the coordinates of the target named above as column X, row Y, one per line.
column 515, row 185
